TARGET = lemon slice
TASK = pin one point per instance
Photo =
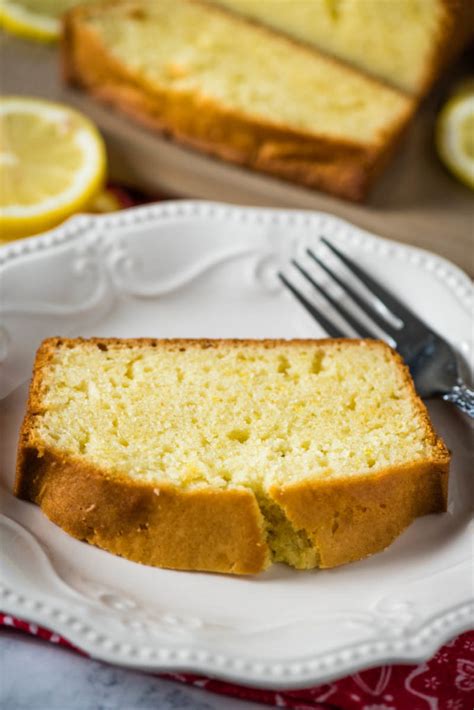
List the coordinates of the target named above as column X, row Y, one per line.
column 455, row 136
column 52, row 163
column 35, row 19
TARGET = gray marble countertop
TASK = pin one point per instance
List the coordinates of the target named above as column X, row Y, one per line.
column 35, row 675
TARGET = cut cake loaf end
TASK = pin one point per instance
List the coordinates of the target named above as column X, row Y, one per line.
column 403, row 42
column 227, row 455
column 219, row 83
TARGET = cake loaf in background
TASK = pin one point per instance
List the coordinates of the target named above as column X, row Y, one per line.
column 242, row 92
column 404, row 42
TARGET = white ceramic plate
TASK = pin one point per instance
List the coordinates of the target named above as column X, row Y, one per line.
column 199, row 269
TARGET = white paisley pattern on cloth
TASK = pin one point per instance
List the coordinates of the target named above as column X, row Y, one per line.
column 465, row 675
column 431, row 700
column 380, row 685
column 454, row 704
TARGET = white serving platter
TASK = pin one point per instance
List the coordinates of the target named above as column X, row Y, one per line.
column 200, row 269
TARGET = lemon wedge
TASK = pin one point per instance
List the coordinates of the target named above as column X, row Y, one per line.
column 34, row 19
column 52, row 164
column 455, row 135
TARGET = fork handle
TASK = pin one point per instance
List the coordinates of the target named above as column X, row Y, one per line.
column 462, row 397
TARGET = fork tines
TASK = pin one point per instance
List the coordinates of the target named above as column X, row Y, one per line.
column 388, row 301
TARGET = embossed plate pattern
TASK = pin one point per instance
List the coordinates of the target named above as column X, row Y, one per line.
column 200, row 269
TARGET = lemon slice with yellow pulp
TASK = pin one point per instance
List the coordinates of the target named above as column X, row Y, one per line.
column 52, row 164
column 455, row 136
column 35, row 19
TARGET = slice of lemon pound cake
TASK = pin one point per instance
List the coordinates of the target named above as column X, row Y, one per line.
column 227, row 455
column 221, row 84
column 404, row 42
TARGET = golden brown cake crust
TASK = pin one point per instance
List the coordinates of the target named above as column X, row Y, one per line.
column 219, row 530
column 342, row 168
column 207, row 530
column 456, row 30
column 347, row 520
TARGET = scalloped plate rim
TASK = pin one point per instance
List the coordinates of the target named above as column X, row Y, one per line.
column 452, row 621
column 75, row 225
column 265, row 680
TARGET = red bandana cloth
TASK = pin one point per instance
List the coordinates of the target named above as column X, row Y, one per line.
column 446, row 682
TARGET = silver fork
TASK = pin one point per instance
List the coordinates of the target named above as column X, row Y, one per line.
column 431, row 359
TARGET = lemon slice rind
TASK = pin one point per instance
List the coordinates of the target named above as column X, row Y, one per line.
column 449, row 137
column 22, row 22
column 17, row 220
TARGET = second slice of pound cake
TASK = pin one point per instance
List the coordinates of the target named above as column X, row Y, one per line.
column 404, row 42
column 244, row 93
column 227, row 455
